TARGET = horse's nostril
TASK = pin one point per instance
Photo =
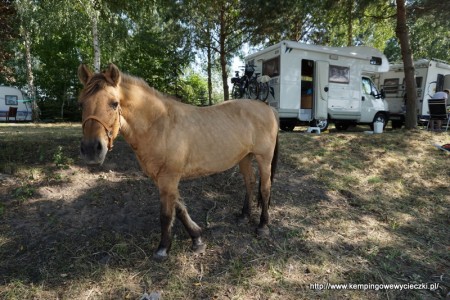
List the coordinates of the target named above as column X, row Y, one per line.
column 91, row 148
column 99, row 146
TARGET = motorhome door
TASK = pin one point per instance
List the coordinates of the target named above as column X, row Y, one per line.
column 320, row 105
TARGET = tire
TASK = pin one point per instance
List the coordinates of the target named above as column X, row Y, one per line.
column 341, row 126
column 263, row 91
column 379, row 117
column 287, row 126
column 252, row 90
column 235, row 92
column 397, row 124
column 322, row 124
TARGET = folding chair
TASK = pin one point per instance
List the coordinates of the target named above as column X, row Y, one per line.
column 438, row 112
column 12, row 113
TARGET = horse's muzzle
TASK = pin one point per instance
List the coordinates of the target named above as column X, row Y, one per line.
column 93, row 151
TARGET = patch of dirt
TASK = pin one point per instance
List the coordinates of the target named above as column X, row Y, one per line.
column 75, row 225
column 82, row 205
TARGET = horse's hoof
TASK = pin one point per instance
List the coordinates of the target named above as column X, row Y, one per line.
column 263, row 231
column 160, row 255
column 243, row 219
column 199, row 249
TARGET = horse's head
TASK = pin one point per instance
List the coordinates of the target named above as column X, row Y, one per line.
column 100, row 102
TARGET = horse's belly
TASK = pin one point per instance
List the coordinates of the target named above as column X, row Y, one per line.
column 204, row 167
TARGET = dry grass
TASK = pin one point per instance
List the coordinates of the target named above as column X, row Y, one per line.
column 347, row 208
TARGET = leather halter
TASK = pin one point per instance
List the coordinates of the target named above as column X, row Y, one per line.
column 109, row 133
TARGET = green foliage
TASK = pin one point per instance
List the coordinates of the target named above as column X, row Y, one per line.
column 194, row 89
column 392, row 50
column 218, row 30
column 24, row 192
column 9, row 32
column 430, row 37
column 156, row 40
column 60, row 159
column 143, row 40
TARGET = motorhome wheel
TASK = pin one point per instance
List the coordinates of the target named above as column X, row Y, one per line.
column 341, row 126
column 287, row 126
column 322, row 124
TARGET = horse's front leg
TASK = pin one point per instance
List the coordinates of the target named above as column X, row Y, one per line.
column 168, row 193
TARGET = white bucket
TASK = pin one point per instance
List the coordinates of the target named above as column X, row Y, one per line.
column 378, row 127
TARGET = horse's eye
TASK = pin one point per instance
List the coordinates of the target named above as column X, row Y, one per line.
column 114, row 104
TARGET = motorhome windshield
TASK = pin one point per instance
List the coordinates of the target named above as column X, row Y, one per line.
column 368, row 87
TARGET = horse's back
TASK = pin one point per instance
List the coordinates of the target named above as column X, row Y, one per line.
column 242, row 118
column 213, row 139
column 246, row 112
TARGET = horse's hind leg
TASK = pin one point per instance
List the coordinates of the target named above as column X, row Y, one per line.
column 192, row 228
column 265, row 186
column 246, row 169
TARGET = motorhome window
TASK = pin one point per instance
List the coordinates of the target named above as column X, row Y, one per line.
column 339, row 74
column 376, row 61
column 271, row 67
column 391, row 86
column 11, row 100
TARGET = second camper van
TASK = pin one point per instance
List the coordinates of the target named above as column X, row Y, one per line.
column 431, row 76
column 314, row 85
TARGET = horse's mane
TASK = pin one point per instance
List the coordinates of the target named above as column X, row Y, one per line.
column 137, row 81
column 98, row 81
column 128, row 79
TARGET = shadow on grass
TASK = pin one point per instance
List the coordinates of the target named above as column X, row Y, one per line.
column 111, row 222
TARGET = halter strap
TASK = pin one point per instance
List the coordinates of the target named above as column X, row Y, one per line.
column 109, row 133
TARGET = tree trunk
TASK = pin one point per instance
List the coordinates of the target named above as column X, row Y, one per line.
column 223, row 64
column 350, row 23
column 209, row 67
column 403, row 36
column 24, row 9
column 30, row 76
column 223, row 59
column 94, row 20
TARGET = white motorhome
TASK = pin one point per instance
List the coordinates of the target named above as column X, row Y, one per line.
column 313, row 85
column 13, row 97
column 431, row 76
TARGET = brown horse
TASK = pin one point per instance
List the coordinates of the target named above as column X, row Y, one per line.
column 174, row 141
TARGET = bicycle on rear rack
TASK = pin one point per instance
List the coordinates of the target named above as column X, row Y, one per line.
column 262, row 86
column 250, row 85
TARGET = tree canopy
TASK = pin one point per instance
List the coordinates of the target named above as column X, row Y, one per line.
column 159, row 40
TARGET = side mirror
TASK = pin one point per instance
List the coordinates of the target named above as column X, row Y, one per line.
column 383, row 94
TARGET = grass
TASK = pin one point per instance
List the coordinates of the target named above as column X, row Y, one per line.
column 347, row 207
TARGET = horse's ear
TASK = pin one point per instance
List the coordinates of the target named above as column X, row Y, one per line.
column 84, row 73
column 112, row 74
